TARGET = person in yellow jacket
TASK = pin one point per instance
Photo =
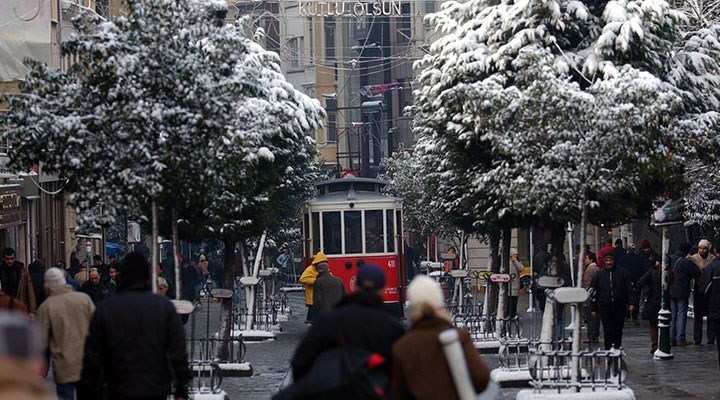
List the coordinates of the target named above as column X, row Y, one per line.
column 308, row 280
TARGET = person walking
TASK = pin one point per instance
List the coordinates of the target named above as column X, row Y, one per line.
column 328, row 290
column 36, row 269
column 685, row 272
column 15, row 281
column 593, row 323
column 358, row 321
column 82, row 275
column 136, row 342
column 614, row 294
column 516, row 268
column 64, row 318
column 635, row 265
column 701, row 259
column 95, row 287
column 419, row 361
column 652, row 280
column 605, row 250
column 710, row 286
column 22, row 362
column 307, row 278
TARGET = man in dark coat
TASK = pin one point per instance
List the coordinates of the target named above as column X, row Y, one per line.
column 358, row 321
column 710, row 286
column 685, row 272
column 15, row 281
column 614, row 294
column 95, row 287
column 328, row 290
column 635, row 265
column 136, row 342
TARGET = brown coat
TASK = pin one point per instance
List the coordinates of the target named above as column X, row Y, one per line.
column 420, row 366
column 25, row 292
column 19, row 383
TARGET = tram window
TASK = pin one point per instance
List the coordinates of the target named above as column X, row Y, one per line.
column 315, row 234
column 353, row 232
column 390, row 237
column 374, row 231
column 331, row 232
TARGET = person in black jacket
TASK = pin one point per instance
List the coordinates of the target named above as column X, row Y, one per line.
column 685, row 272
column 710, row 285
column 358, row 321
column 614, row 294
column 652, row 280
column 136, row 342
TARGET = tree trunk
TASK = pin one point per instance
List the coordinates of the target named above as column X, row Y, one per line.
column 491, row 293
column 155, row 250
column 503, row 286
column 251, row 290
column 226, row 305
column 176, row 255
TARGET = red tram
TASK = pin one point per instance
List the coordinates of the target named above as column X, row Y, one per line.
column 355, row 224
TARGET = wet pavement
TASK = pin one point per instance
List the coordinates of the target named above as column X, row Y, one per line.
column 690, row 375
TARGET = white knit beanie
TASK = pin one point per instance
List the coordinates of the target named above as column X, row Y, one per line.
column 425, row 290
column 704, row 243
column 54, row 278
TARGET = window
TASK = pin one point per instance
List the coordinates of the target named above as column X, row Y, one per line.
column 404, row 29
column 295, row 50
column 390, row 237
column 331, row 232
column 353, row 232
column 311, row 40
column 331, row 127
column 374, row 231
column 430, row 6
column 329, row 39
column 315, row 221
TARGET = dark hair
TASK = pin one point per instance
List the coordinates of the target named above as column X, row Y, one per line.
column 608, row 240
column 8, row 251
column 97, row 257
column 685, row 248
column 134, row 269
column 592, row 257
column 618, row 242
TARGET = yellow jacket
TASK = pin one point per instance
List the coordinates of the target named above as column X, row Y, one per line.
column 309, row 275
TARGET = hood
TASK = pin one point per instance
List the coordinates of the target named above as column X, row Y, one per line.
column 319, row 257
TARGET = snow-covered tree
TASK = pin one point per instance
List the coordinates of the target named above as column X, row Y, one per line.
column 548, row 111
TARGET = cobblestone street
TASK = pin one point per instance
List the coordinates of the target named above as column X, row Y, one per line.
column 690, row 375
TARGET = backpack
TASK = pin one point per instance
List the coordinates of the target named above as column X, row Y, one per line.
column 343, row 373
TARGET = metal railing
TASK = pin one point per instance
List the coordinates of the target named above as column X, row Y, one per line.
column 598, row 370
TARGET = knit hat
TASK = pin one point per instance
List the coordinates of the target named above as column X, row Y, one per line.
column 371, row 277
column 608, row 255
column 513, row 252
column 319, row 257
column 54, row 277
column 645, row 244
column 704, row 243
column 424, row 290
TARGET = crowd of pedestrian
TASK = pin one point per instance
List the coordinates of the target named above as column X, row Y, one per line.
column 109, row 337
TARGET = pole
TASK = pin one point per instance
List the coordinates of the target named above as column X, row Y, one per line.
column 573, row 307
column 155, row 250
column 663, row 352
column 531, row 295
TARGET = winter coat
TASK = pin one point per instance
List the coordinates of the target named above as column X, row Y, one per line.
column 188, row 279
column 685, row 271
column 328, row 291
column 699, row 301
column 135, row 344
column 711, row 276
column 634, row 264
column 18, row 383
column 588, row 274
column 420, row 366
column 7, row 303
column 613, row 287
column 16, row 283
column 358, row 321
column 617, row 252
column 96, row 292
column 652, row 280
column 516, row 268
column 37, row 276
column 307, row 278
column 64, row 318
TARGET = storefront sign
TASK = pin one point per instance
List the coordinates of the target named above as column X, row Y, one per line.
column 377, row 8
column 10, row 209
